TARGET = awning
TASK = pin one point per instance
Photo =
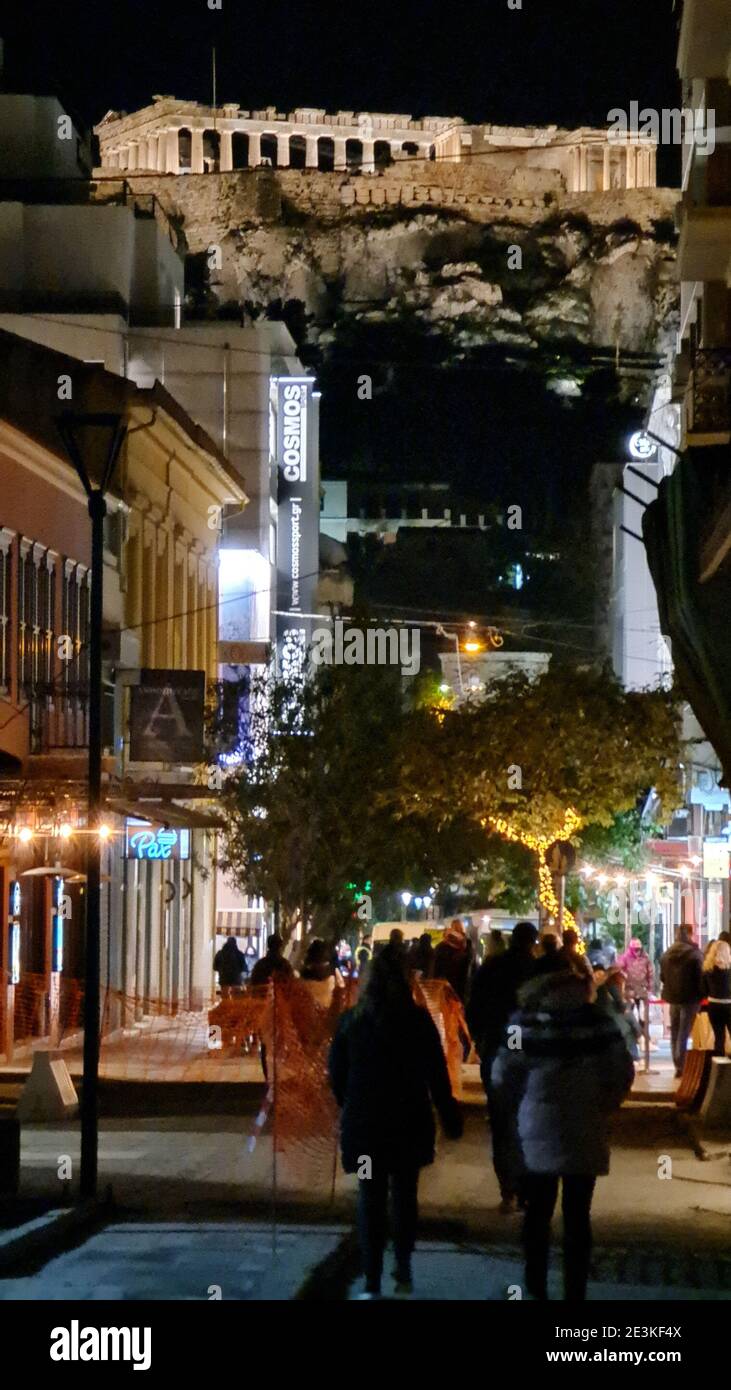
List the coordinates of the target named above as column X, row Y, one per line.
column 167, row 813
column 240, row 921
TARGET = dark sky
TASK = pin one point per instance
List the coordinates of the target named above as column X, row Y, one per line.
column 567, row 61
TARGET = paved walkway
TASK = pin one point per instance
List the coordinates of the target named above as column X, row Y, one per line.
column 258, row 1262
column 178, row 1261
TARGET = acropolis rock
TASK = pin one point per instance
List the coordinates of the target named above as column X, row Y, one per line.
column 428, row 238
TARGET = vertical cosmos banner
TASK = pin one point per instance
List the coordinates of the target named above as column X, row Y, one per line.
column 298, row 523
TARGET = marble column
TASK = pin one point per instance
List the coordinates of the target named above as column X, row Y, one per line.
column 369, row 157
column 226, row 163
column 196, row 151
column 122, row 157
column 397, row 149
column 282, row 151
column 173, row 157
column 631, row 166
column 162, row 146
column 652, row 174
column 111, row 159
column 132, row 161
column 311, row 151
column 425, row 151
column 254, row 148
column 607, row 174
column 583, row 169
column 340, row 161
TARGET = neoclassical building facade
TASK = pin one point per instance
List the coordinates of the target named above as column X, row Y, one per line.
column 178, row 137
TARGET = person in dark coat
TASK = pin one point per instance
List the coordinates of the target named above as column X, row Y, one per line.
column 549, row 959
column 453, row 959
column 563, row 1081
column 681, row 972
column 273, row 963
column 387, row 1067
column 492, row 1000
column 230, row 964
column 421, row 956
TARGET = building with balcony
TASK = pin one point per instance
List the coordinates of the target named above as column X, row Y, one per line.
column 160, row 615
column 96, row 272
column 687, row 525
column 703, row 367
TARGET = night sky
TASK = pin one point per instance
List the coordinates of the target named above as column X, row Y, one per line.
column 562, row 61
column 567, row 61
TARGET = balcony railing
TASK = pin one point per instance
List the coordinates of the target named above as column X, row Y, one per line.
column 58, row 721
column 709, row 395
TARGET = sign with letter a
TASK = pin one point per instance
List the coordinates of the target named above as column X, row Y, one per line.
column 166, row 718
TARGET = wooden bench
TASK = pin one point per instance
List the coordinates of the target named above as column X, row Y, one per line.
column 694, row 1081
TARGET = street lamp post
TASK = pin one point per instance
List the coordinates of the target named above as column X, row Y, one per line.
column 71, row 426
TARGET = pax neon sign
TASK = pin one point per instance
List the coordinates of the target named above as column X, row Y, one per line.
column 146, row 841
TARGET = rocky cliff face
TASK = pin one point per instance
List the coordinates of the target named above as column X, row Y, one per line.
column 468, row 259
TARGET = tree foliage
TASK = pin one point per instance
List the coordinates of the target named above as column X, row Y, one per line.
column 530, row 749
column 345, row 779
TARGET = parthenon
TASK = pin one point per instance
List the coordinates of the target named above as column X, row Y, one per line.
column 180, row 137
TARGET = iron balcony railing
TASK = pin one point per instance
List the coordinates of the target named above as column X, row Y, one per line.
column 58, row 721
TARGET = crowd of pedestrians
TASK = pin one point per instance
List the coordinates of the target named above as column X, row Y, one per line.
column 556, row 1029
column 557, row 1039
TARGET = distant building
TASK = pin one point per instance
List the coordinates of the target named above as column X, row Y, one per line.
column 92, row 270
column 467, row 676
column 174, row 137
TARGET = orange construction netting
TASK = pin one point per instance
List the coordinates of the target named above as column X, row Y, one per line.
column 282, row 1023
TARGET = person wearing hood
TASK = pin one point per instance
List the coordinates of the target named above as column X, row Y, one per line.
column 230, row 964
column 681, row 972
column 637, row 968
column 492, row 1001
column 453, row 959
column 564, row 1072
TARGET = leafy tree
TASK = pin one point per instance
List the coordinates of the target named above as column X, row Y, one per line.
column 539, row 760
column 312, row 804
column 345, row 780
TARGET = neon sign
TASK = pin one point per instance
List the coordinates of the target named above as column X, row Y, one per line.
column 145, row 840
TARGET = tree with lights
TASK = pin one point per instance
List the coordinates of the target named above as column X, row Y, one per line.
column 538, row 761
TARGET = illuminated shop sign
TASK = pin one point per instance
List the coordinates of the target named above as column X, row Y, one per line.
column 166, row 717
column 298, row 515
column 14, row 932
column 144, row 840
column 58, row 918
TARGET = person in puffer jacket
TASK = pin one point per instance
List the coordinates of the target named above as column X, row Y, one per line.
column 563, row 1072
